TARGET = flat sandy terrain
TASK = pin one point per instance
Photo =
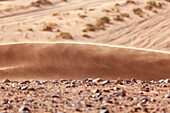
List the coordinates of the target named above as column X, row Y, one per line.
column 53, row 40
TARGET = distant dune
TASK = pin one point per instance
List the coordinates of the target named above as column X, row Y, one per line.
column 84, row 38
column 80, row 60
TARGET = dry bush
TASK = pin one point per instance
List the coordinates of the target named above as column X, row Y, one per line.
column 82, row 16
column 55, row 14
column 130, row 2
column 49, row 26
column 86, row 36
column 106, row 10
column 19, row 30
column 125, row 15
column 41, row 2
column 154, row 11
column 148, row 7
column 167, row 0
column 103, row 20
column 8, row 9
column 118, row 18
column 155, row 4
column 64, row 35
column 99, row 24
column 89, row 27
column 138, row 11
column 30, row 29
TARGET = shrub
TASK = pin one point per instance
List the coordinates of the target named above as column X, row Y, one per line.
column 65, row 35
column 29, row 29
column 86, row 36
column 125, row 15
column 130, row 2
column 89, row 27
column 106, row 10
column 82, row 16
column 49, row 26
column 148, row 7
column 118, row 18
column 41, row 2
column 138, row 11
column 155, row 4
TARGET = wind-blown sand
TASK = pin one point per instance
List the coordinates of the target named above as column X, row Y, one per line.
column 81, row 60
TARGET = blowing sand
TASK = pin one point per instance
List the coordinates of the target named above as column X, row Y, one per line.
column 78, row 40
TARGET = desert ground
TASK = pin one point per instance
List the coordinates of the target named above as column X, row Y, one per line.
column 93, row 56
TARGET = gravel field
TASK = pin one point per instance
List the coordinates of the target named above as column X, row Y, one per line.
column 88, row 95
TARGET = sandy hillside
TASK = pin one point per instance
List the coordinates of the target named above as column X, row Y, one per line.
column 105, row 24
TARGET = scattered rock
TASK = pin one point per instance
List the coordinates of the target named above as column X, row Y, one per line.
column 25, row 82
column 105, row 111
column 167, row 95
column 105, row 82
column 121, row 93
column 24, row 109
column 6, row 81
column 24, row 87
column 167, row 81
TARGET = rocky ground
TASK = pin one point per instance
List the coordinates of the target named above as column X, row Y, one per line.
column 88, row 95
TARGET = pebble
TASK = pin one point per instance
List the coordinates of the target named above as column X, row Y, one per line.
column 24, row 87
column 167, row 95
column 105, row 82
column 55, row 96
column 146, row 89
column 144, row 99
column 24, row 109
column 1, row 87
column 25, row 82
column 116, row 88
column 67, row 87
column 121, row 93
column 167, row 81
column 97, row 80
column 6, row 81
column 105, row 111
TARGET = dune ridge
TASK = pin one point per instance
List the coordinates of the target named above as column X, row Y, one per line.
column 80, row 60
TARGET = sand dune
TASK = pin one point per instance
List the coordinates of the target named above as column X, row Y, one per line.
column 80, row 60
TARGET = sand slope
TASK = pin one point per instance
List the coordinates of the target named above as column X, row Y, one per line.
column 77, row 61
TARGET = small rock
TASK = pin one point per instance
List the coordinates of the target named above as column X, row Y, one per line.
column 5, row 101
column 133, row 80
column 144, row 99
column 118, row 82
column 160, row 81
column 25, row 82
column 164, row 85
column 1, row 87
column 97, row 80
column 24, row 87
column 167, row 95
column 44, row 82
column 167, row 81
column 116, row 88
column 55, row 96
column 146, row 89
column 96, row 95
column 104, row 111
column 121, row 93
column 105, row 82
column 96, row 91
column 67, row 87
column 6, row 81
column 88, row 105
column 24, row 109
